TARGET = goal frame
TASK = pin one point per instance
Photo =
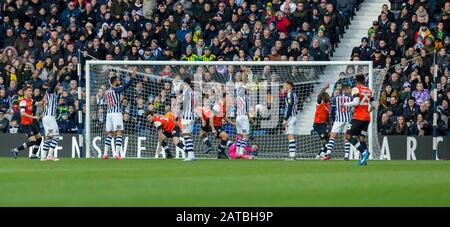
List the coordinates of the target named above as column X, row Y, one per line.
column 90, row 63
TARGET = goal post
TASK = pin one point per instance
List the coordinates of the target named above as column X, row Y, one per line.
column 157, row 88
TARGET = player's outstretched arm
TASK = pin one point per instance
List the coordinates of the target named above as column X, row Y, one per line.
column 319, row 97
column 52, row 85
column 24, row 114
column 354, row 102
column 40, row 103
column 124, row 87
column 333, row 110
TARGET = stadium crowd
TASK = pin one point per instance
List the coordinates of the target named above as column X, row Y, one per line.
column 403, row 43
column 44, row 39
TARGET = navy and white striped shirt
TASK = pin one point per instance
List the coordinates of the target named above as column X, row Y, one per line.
column 51, row 99
column 113, row 97
column 291, row 103
column 339, row 112
column 242, row 105
column 188, row 104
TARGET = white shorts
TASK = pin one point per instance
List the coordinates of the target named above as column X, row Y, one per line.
column 291, row 125
column 50, row 126
column 114, row 122
column 242, row 125
column 187, row 126
column 340, row 127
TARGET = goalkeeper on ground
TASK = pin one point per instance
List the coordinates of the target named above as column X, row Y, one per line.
column 213, row 118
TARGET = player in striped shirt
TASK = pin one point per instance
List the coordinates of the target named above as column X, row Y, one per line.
column 242, row 121
column 49, row 121
column 114, row 117
column 362, row 97
column 341, row 116
column 290, row 117
column 188, row 118
column 321, row 119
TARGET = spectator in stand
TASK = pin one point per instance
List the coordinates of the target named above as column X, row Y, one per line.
column 4, row 122
column 400, row 127
column 385, row 127
column 425, row 111
column 386, row 94
column 365, row 52
column 316, row 53
column 281, row 21
column 396, row 82
column 324, row 41
column 420, row 94
column 444, row 113
column 396, row 5
column 411, row 110
column 395, row 107
column 421, row 127
column 66, row 125
column 13, row 127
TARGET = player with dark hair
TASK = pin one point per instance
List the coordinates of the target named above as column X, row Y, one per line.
column 28, row 124
column 114, row 117
column 188, row 118
column 167, row 128
column 290, row 117
column 340, row 116
column 49, row 121
column 362, row 97
column 242, row 121
column 213, row 117
column 204, row 113
column 321, row 119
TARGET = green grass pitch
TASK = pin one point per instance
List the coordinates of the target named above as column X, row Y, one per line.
column 143, row 182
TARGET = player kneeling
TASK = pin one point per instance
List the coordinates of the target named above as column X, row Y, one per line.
column 167, row 128
column 214, row 118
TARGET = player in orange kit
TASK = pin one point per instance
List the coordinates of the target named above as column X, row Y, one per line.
column 362, row 97
column 321, row 118
column 28, row 125
column 213, row 116
column 167, row 128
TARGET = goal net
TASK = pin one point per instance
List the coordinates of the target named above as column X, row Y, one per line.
column 157, row 87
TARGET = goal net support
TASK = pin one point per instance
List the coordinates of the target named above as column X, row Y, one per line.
column 157, row 87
